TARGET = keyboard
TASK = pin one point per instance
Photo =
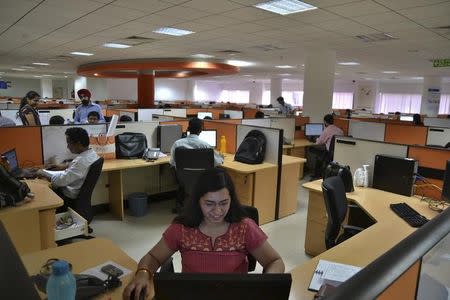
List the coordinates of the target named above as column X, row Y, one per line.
column 408, row 214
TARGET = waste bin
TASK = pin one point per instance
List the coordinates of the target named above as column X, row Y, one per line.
column 137, row 202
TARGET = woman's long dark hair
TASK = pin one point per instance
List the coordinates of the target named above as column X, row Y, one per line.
column 210, row 181
column 30, row 95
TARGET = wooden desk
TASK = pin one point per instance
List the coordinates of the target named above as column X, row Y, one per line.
column 291, row 167
column 84, row 255
column 31, row 226
column 298, row 148
column 364, row 247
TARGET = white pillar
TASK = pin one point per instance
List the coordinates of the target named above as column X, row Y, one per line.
column 190, row 86
column 46, row 88
column 80, row 82
column 318, row 84
column 431, row 96
column 276, row 88
column 256, row 92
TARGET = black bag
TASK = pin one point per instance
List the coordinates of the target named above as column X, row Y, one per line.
column 12, row 191
column 335, row 169
column 130, row 145
column 252, row 149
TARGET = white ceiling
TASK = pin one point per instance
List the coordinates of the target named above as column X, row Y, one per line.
column 39, row 31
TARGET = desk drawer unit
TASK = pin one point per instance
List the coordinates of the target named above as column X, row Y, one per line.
column 244, row 186
column 315, row 224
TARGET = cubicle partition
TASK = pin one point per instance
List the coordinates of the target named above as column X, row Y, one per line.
column 437, row 122
column 288, row 126
column 438, row 136
column 342, row 124
column 223, row 129
column 367, row 130
column 145, row 114
column 184, row 123
column 147, row 128
column 13, row 115
column 358, row 152
column 406, row 134
column 234, row 114
column 26, row 140
column 175, row 112
column 273, row 146
column 257, row 122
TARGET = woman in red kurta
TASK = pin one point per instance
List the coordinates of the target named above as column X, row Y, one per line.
column 212, row 235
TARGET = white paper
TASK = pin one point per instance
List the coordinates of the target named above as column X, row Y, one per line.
column 112, row 125
column 161, row 155
column 51, row 173
column 332, row 273
column 96, row 271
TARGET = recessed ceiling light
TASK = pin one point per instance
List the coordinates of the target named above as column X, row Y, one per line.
column 65, row 76
column 284, row 67
column 26, row 67
column 95, row 74
column 172, row 31
column 285, row 74
column 285, row 7
column 17, row 69
column 417, row 78
column 81, row 53
column 116, row 45
column 348, row 63
column 368, row 78
column 68, row 73
column 41, row 64
column 239, row 63
column 200, row 55
column 37, row 76
column 389, row 72
column 47, row 75
column 247, row 75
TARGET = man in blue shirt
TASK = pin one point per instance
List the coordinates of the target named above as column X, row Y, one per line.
column 82, row 111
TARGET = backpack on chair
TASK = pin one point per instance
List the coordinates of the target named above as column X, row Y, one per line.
column 252, row 149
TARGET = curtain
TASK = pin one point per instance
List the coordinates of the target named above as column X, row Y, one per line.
column 295, row 98
column 342, row 100
column 404, row 103
column 444, row 105
column 235, row 96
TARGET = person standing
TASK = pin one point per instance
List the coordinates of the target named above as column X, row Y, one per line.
column 27, row 110
column 286, row 108
column 82, row 111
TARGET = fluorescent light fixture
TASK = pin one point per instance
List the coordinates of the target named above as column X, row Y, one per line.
column 200, row 55
column 68, row 72
column 65, row 76
column 368, row 78
column 247, row 75
column 47, row 75
column 81, row 53
column 285, row 74
column 37, row 76
column 239, row 63
column 285, row 7
column 348, row 63
column 26, row 67
column 417, row 78
column 172, row 31
column 41, row 64
column 284, row 67
column 95, row 74
column 389, row 72
column 17, row 69
column 115, row 45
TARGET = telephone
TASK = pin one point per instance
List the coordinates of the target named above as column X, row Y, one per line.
column 151, row 154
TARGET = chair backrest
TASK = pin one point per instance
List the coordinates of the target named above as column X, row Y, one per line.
column 190, row 163
column 447, row 145
column 252, row 213
column 331, row 150
column 83, row 202
column 336, row 204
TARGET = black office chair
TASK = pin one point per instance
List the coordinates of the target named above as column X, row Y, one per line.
column 190, row 163
column 337, row 205
column 249, row 211
column 447, row 145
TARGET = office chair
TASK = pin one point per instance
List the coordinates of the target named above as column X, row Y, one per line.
column 249, row 211
column 337, row 205
column 190, row 163
column 447, row 145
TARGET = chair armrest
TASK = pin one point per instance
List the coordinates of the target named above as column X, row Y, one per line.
column 353, row 206
column 352, row 228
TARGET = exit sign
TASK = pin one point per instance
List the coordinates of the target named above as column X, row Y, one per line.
column 441, row 63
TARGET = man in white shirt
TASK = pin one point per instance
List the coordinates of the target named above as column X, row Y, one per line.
column 286, row 108
column 192, row 141
column 68, row 181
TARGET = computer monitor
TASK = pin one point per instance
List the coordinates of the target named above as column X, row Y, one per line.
column 446, row 185
column 203, row 114
column 313, row 129
column 406, row 118
column 11, row 156
column 209, row 136
column 222, row 286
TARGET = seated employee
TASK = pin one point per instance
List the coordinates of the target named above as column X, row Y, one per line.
column 82, row 111
column 213, row 236
column 68, row 182
column 192, row 141
column 286, row 108
column 93, row 117
column 329, row 131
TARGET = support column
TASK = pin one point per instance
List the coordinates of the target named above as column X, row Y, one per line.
column 146, row 90
column 80, row 82
column 46, row 88
column 190, row 89
column 275, row 90
column 431, row 96
column 318, row 84
column 256, row 92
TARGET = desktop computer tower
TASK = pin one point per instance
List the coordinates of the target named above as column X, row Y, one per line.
column 167, row 135
column 394, row 174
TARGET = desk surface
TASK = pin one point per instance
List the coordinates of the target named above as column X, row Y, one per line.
column 121, row 164
column 368, row 245
column 84, row 255
column 44, row 198
column 302, row 143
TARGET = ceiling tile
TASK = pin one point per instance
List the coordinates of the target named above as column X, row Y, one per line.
column 358, row 9
column 218, row 20
column 346, row 27
column 382, row 18
column 147, row 6
column 183, row 13
column 249, row 14
column 329, row 3
column 120, row 12
column 402, row 4
column 12, row 10
column 430, row 11
column 212, row 6
column 314, row 16
column 159, row 20
column 396, row 27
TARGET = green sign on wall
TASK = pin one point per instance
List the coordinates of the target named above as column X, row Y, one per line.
column 437, row 63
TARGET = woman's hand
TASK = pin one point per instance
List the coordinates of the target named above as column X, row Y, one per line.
column 140, row 282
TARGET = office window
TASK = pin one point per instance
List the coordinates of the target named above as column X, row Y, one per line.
column 444, row 105
column 342, row 101
column 295, row 98
column 266, row 97
column 200, row 94
column 235, row 96
column 404, row 103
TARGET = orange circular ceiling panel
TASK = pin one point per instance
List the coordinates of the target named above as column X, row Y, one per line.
column 162, row 68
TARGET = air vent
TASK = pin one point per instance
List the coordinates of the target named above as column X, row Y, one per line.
column 229, row 52
column 135, row 40
column 266, row 48
column 375, row 37
column 61, row 58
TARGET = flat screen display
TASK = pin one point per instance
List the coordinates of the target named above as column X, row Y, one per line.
column 209, row 136
column 202, row 115
column 406, row 118
column 313, row 129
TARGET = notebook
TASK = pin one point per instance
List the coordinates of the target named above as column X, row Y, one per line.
column 331, row 273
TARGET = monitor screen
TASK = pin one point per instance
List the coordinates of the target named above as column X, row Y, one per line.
column 11, row 156
column 313, row 129
column 203, row 114
column 406, row 118
column 222, row 286
column 446, row 185
column 209, row 136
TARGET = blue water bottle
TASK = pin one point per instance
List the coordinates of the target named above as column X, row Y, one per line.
column 61, row 285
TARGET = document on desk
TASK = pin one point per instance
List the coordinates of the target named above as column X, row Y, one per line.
column 331, row 273
column 97, row 272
